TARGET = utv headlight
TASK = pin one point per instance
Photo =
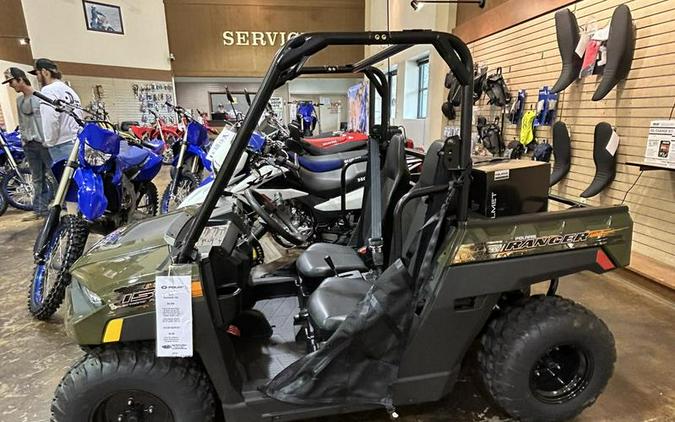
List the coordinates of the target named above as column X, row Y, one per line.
column 83, row 301
column 94, row 157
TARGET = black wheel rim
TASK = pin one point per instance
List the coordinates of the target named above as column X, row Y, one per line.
column 132, row 406
column 561, row 374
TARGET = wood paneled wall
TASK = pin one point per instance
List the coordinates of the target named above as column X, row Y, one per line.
column 196, row 27
column 528, row 54
column 13, row 27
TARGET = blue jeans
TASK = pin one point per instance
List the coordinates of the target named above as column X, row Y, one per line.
column 40, row 163
column 61, row 151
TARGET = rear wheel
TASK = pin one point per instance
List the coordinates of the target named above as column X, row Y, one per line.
column 546, row 359
column 52, row 276
column 129, row 383
column 18, row 189
column 187, row 182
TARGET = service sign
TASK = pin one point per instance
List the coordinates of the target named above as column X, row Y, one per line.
column 257, row 38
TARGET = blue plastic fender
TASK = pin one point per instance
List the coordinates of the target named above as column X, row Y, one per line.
column 91, row 198
column 199, row 152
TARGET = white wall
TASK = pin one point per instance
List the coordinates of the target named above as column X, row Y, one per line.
column 57, row 30
column 8, row 96
column 440, row 17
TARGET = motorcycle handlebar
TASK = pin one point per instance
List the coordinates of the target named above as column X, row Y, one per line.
column 43, row 97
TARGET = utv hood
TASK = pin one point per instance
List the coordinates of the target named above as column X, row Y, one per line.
column 130, row 254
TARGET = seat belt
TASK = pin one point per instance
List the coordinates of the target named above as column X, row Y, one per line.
column 373, row 173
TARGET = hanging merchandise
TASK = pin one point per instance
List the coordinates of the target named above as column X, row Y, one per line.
column 567, row 32
column 514, row 150
column 561, row 152
column 495, row 88
column 619, row 53
column 490, row 135
column 517, row 108
column 546, row 107
column 479, row 76
column 527, row 127
column 605, row 144
column 542, row 152
column 454, row 96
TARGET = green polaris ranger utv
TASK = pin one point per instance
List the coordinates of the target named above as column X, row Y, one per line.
column 381, row 323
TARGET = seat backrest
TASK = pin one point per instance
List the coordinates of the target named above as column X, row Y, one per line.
column 416, row 212
column 395, row 183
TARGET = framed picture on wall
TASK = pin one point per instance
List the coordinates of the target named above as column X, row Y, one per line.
column 102, row 17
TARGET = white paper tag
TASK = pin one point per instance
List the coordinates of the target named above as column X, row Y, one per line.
column 173, row 315
column 613, row 144
column 581, row 45
column 601, row 34
column 502, row 174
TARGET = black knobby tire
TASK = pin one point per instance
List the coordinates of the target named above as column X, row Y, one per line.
column 179, row 385
column 149, row 191
column 3, row 202
column 73, row 231
column 541, row 329
column 186, row 181
column 10, row 184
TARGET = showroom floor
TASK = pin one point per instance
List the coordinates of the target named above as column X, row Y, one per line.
column 34, row 355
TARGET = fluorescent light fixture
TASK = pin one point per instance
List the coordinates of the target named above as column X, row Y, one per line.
column 418, row 4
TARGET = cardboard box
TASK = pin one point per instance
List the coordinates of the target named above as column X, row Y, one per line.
column 510, row 187
column 660, row 148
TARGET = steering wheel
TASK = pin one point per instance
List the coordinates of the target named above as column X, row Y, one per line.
column 276, row 217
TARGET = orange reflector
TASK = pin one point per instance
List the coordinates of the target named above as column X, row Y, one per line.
column 113, row 330
column 197, row 289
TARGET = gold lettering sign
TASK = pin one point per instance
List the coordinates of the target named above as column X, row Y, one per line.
column 257, row 38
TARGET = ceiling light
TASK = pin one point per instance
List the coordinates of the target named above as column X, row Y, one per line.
column 24, row 41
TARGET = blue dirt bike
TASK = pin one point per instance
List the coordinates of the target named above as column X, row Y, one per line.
column 112, row 186
column 306, row 117
column 190, row 159
column 16, row 182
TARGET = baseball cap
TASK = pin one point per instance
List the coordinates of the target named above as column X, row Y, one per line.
column 13, row 73
column 45, row 64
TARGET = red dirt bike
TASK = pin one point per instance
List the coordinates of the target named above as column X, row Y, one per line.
column 159, row 130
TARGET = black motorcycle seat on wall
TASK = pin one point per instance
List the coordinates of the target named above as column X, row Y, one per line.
column 567, row 32
column 561, row 152
column 328, row 184
column 336, row 297
column 605, row 163
column 311, row 264
column 620, row 50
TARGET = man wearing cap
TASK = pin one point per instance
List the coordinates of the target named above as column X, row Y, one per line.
column 32, row 138
column 60, row 129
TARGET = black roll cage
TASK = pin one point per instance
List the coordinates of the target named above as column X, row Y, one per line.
column 288, row 63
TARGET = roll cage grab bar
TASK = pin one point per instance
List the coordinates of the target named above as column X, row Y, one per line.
column 288, row 64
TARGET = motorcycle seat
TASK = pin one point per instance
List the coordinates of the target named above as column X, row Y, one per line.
column 323, row 163
column 328, row 184
column 337, row 297
column 333, row 149
column 131, row 156
column 311, row 264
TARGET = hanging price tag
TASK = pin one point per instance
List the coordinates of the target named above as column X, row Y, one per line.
column 173, row 314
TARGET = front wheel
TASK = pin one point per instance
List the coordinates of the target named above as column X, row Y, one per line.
column 546, row 359
column 186, row 183
column 51, row 277
column 3, row 203
column 147, row 202
column 129, row 383
column 18, row 189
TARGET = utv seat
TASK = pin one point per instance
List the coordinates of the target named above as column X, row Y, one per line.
column 336, row 297
column 311, row 264
column 344, row 147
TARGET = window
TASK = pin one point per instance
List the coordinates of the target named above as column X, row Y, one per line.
column 422, row 87
column 392, row 78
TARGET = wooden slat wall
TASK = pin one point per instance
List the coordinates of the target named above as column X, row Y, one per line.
column 528, row 54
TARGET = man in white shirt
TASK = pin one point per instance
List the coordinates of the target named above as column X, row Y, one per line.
column 60, row 129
